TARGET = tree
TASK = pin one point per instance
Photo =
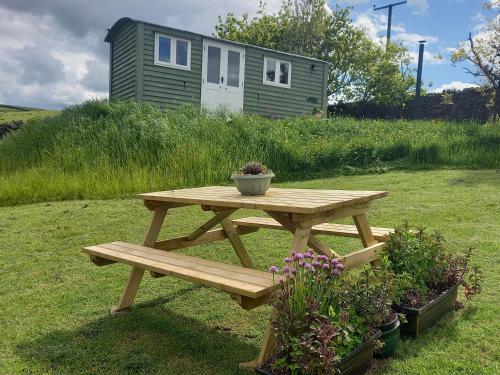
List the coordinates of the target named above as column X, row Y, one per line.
column 483, row 52
column 306, row 27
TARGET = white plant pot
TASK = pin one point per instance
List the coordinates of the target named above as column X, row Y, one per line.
column 252, row 184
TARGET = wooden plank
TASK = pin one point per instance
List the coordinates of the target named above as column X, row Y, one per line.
column 186, row 261
column 335, row 214
column 98, row 261
column 235, row 241
column 251, row 303
column 364, row 256
column 209, row 263
column 210, row 236
column 219, row 282
column 283, row 200
column 219, row 216
column 342, row 230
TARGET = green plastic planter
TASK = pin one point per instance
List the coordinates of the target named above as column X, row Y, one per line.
column 356, row 362
column 390, row 335
column 249, row 184
column 420, row 320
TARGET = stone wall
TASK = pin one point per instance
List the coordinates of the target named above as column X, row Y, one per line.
column 468, row 104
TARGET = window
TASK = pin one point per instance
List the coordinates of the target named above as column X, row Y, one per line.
column 172, row 52
column 277, row 72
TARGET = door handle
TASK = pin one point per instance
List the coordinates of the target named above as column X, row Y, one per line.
column 222, row 79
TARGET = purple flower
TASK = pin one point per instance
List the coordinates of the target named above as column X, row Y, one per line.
column 336, row 272
column 308, row 255
column 308, row 266
column 286, row 269
column 298, row 256
column 301, row 263
column 315, row 263
column 335, row 261
column 339, row 266
column 293, row 253
column 288, row 260
column 325, row 266
column 273, row 269
column 293, row 271
column 282, row 281
column 313, row 270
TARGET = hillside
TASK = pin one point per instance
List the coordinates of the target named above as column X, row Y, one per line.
column 10, row 113
column 108, row 150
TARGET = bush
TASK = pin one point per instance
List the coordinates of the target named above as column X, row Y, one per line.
column 426, row 268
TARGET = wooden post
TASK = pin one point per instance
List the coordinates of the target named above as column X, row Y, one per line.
column 136, row 274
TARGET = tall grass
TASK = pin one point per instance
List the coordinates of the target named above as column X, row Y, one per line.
column 105, row 150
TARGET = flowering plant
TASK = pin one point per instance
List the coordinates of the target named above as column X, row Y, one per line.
column 317, row 322
column 254, row 168
column 426, row 262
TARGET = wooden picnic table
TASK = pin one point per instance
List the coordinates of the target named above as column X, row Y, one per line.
column 303, row 212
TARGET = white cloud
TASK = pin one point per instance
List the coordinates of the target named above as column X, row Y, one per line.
column 455, row 85
column 421, row 6
column 375, row 26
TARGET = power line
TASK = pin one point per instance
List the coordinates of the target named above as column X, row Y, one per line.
column 389, row 20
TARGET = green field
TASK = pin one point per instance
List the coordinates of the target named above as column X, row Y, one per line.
column 12, row 113
column 100, row 150
column 54, row 302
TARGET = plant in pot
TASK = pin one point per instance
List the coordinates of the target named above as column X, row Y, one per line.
column 430, row 276
column 317, row 112
column 376, row 290
column 317, row 328
column 253, row 178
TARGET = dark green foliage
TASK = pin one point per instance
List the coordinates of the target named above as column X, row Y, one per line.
column 426, row 268
column 254, row 168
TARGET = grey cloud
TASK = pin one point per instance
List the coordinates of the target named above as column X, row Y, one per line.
column 96, row 78
column 41, row 39
column 38, row 66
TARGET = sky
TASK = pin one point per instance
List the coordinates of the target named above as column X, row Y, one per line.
column 53, row 54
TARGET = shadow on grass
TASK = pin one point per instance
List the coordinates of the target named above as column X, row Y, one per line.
column 150, row 339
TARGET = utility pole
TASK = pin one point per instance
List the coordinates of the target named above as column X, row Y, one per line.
column 419, row 77
column 389, row 20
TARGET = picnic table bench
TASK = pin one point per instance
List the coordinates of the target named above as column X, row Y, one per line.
column 303, row 212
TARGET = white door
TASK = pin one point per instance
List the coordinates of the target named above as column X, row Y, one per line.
column 223, row 70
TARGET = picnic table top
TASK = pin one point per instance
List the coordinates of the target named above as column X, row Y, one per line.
column 308, row 201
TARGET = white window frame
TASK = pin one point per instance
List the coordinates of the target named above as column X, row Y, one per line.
column 277, row 75
column 173, row 52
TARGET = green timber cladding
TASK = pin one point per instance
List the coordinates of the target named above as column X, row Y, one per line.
column 136, row 74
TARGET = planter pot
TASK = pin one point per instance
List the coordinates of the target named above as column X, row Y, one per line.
column 356, row 362
column 249, row 184
column 421, row 319
column 390, row 334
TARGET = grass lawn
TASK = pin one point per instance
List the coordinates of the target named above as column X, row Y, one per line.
column 54, row 302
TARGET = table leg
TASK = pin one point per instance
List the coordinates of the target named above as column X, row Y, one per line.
column 136, row 274
column 313, row 242
column 365, row 232
column 268, row 345
column 235, row 241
